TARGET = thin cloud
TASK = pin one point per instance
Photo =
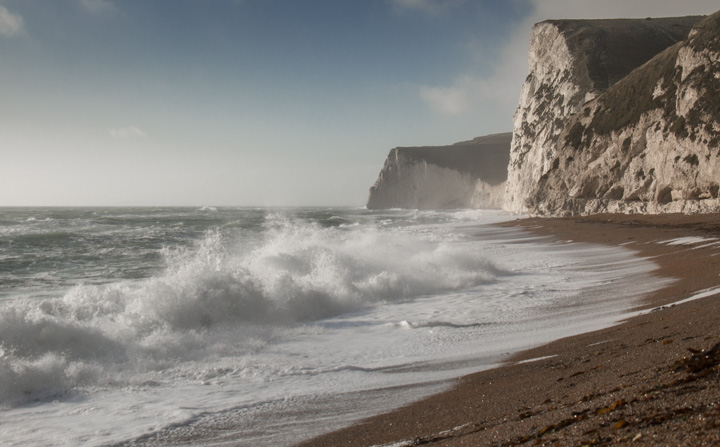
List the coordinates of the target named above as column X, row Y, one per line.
column 454, row 100
column 98, row 6
column 129, row 132
column 11, row 24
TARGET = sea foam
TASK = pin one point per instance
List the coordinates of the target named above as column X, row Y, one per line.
column 225, row 296
column 260, row 327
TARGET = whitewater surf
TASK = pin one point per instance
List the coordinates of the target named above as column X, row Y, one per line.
column 260, row 326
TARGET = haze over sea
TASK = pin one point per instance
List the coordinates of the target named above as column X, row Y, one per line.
column 265, row 326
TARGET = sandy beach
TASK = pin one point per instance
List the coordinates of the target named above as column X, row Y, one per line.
column 650, row 380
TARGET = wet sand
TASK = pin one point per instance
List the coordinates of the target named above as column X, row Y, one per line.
column 654, row 379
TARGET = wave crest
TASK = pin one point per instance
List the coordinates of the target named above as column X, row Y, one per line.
column 221, row 298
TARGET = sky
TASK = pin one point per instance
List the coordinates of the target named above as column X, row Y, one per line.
column 255, row 102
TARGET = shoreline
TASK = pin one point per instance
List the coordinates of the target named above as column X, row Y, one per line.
column 643, row 380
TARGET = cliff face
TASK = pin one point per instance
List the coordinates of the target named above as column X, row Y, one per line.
column 649, row 143
column 469, row 174
column 572, row 62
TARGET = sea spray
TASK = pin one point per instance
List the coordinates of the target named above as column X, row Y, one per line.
column 224, row 296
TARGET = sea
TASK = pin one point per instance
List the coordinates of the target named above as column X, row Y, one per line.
column 259, row 326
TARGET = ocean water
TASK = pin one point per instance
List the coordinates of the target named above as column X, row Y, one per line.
column 258, row 326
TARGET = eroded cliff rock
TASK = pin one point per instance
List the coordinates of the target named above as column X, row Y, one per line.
column 572, row 62
column 470, row 174
column 649, row 143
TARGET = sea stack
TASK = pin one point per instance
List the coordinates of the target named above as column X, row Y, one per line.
column 469, row 174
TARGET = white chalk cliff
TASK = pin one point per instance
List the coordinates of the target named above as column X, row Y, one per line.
column 647, row 142
column 571, row 62
column 470, row 174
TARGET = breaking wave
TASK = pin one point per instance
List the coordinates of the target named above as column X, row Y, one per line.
column 228, row 296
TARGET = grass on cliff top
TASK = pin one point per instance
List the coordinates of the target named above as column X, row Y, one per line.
column 707, row 34
column 611, row 48
column 625, row 102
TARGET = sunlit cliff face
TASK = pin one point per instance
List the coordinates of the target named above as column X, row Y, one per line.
column 626, row 150
column 649, row 143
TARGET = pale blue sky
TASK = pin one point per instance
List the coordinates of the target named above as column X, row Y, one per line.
column 254, row 102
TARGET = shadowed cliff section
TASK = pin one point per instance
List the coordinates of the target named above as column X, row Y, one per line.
column 483, row 157
column 611, row 48
column 649, row 144
column 572, row 62
column 469, row 174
